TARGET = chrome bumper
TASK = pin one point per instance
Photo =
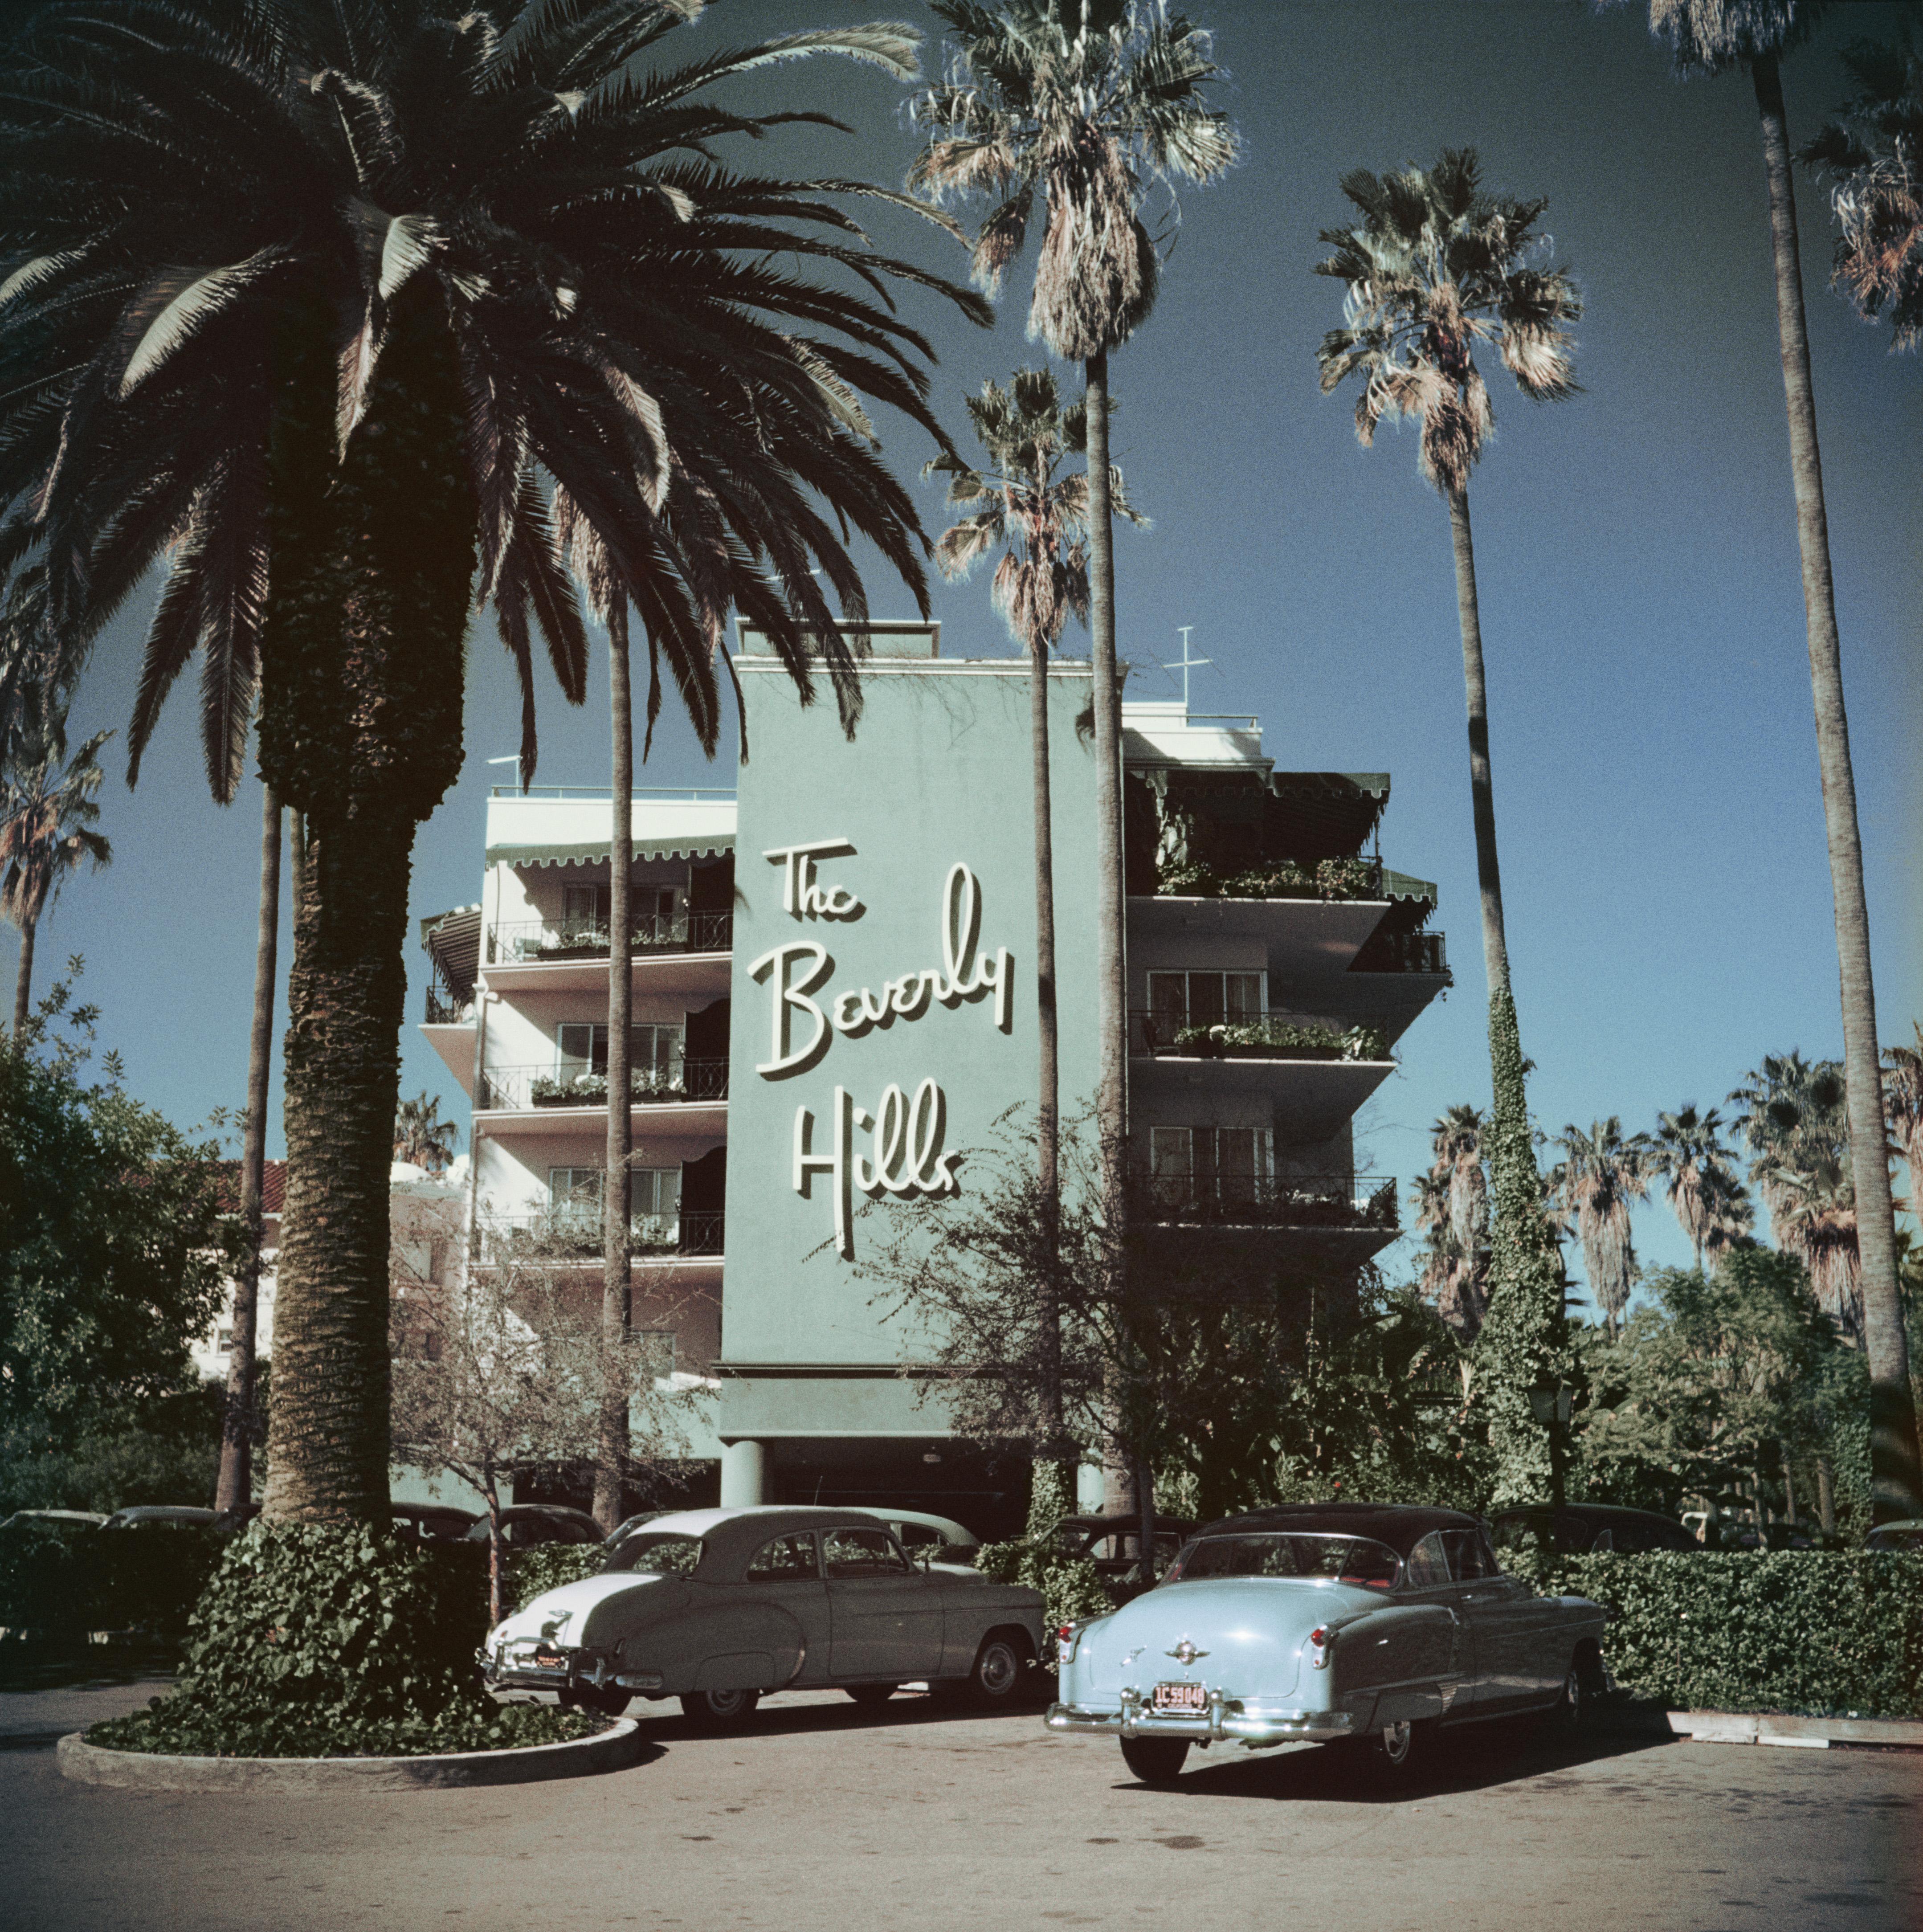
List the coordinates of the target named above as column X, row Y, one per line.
column 1228, row 1719
column 513, row 1668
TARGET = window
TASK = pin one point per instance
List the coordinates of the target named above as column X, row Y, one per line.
column 1469, row 1555
column 664, row 1554
column 919, row 1536
column 1178, row 1000
column 863, row 1552
column 224, row 1340
column 1349, row 1559
column 585, row 908
column 788, row 1559
column 1428, row 1564
column 654, row 1049
column 1229, row 1164
column 577, row 1187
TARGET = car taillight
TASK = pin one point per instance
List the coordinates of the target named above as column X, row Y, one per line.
column 1067, row 1638
column 1320, row 1638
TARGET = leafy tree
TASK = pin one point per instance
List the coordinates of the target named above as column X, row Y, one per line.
column 1686, row 1151
column 1600, row 1178
column 420, row 1136
column 1874, row 151
column 113, row 1249
column 1038, row 519
column 1084, row 105
column 47, row 817
column 1715, row 37
column 459, row 256
column 1434, row 267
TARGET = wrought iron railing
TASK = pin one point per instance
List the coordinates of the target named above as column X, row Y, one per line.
column 446, row 1009
column 1362, row 1200
column 538, row 941
column 1404, row 952
column 1251, row 1037
column 570, row 1236
column 515, row 1089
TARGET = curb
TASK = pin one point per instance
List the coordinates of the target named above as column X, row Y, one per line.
column 612, row 1750
column 1741, row 1727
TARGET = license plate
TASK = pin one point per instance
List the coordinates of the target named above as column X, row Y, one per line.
column 550, row 1660
column 1181, row 1697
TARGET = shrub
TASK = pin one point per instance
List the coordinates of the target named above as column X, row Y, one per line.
column 1803, row 1631
column 547, row 1568
column 332, row 1640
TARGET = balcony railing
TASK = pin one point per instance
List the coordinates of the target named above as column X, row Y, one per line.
column 1362, row 1200
column 1404, row 952
column 571, row 1236
column 1253, row 1036
column 542, row 941
column 446, row 1009
column 516, row 1089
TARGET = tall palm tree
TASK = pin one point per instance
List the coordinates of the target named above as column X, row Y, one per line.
column 47, row 814
column 420, row 1136
column 1686, row 1152
column 234, row 1486
column 1084, row 105
column 465, row 261
column 1020, row 504
column 1873, row 151
column 1713, row 36
column 1600, row 1178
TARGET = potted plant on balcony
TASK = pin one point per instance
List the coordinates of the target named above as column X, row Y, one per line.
column 563, row 1090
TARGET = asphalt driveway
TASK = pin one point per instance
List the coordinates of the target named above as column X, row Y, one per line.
column 828, row 1817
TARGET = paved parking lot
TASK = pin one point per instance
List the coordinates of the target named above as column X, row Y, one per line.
column 827, row 1817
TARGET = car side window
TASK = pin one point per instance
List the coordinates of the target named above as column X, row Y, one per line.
column 1428, row 1565
column 787, row 1559
column 916, row 1535
column 1469, row 1555
column 863, row 1552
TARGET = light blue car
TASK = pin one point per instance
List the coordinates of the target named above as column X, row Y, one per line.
column 1367, row 1625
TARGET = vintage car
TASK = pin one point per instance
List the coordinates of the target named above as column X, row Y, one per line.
column 1365, row 1625
column 1578, row 1528
column 719, row 1607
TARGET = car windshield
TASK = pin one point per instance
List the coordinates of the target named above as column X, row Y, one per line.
column 661, row 1554
column 1347, row 1559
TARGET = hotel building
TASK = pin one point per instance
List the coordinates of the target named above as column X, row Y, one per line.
column 834, row 1003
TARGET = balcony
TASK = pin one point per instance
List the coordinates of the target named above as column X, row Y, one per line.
column 1387, row 952
column 447, row 1008
column 1363, row 1201
column 513, row 1090
column 570, row 1237
column 562, row 942
column 1256, row 1037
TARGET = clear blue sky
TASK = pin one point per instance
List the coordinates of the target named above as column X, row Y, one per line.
column 1657, row 794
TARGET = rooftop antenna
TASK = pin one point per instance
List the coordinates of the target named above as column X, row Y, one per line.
column 1185, row 663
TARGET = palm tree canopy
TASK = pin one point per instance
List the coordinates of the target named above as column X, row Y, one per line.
column 1087, row 104
column 1688, row 1152
column 1711, row 36
column 1902, row 1102
column 1434, row 267
column 421, row 1136
column 200, row 204
column 1873, row 151
column 1600, row 1178
column 47, row 815
column 1020, row 502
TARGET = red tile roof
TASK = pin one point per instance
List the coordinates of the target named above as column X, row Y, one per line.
column 273, row 1186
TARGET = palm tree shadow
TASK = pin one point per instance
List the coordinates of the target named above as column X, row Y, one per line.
column 1476, row 1759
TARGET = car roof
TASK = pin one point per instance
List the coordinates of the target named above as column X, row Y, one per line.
column 1123, row 1524
column 56, row 1516
column 161, row 1513
column 944, row 1523
column 1401, row 1525
column 1595, row 1513
column 733, row 1535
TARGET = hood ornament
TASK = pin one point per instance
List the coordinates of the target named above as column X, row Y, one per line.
column 1185, row 1653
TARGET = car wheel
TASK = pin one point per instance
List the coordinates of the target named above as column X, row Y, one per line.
column 1394, row 1753
column 719, row 1710
column 996, row 1679
column 1571, row 1707
column 1155, row 1761
column 869, row 1696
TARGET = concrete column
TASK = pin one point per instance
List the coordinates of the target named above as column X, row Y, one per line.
column 743, row 1471
column 1088, row 1484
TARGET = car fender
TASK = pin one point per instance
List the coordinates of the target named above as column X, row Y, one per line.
column 1402, row 1662
column 716, row 1642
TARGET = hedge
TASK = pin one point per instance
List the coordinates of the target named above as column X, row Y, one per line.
column 57, row 1586
column 1807, row 1632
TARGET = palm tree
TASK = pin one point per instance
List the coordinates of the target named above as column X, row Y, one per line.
column 1903, row 1102
column 1600, row 1178
column 1038, row 519
column 420, row 1136
column 1711, row 36
column 234, row 1486
column 469, row 261
column 1874, row 151
column 47, row 814
column 1084, row 104
column 1687, row 1152
column 1457, row 1140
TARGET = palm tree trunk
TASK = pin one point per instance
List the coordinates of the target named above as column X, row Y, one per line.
column 236, row 1478
column 617, row 1274
column 1896, row 1480
column 1495, row 942
column 1047, row 1130
column 1111, row 985
column 23, row 980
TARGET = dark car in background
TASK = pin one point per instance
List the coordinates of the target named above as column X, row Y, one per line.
column 1111, row 1543
column 528, row 1526
column 1579, row 1529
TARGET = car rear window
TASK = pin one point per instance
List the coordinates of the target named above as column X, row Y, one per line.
column 1347, row 1559
column 660, row 1554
